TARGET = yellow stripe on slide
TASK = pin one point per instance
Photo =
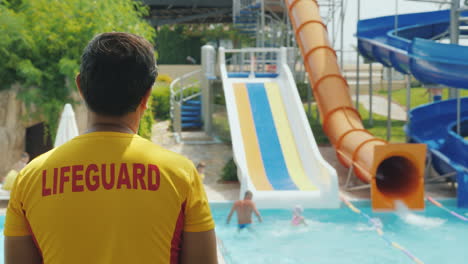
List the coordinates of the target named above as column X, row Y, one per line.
column 249, row 136
column 288, row 145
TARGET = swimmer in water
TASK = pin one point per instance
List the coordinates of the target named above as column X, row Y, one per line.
column 297, row 218
column 244, row 209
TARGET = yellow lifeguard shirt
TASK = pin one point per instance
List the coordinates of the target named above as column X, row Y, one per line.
column 108, row 197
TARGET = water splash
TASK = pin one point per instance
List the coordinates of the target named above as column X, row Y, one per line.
column 376, row 222
column 372, row 224
column 417, row 220
column 286, row 229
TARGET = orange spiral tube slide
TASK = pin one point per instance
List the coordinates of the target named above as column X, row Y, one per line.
column 395, row 171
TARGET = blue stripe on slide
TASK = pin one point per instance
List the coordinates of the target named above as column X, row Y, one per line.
column 272, row 154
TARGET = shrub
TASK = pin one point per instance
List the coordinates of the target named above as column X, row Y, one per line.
column 146, row 124
column 317, row 130
column 161, row 101
column 219, row 99
column 316, row 126
column 218, row 94
column 229, row 171
column 192, row 90
column 221, row 127
column 303, row 88
column 164, row 78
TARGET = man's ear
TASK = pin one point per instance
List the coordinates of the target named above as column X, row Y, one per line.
column 145, row 100
column 78, row 84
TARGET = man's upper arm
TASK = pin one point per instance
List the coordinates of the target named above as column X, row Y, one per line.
column 19, row 243
column 256, row 210
column 16, row 223
column 199, row 247
column 197, row 212
column 21, row 249
column 199, row 239
column 257, row 213
column 234, row 207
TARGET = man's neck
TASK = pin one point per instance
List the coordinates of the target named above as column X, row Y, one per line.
column 125, row 124
column 103, row 127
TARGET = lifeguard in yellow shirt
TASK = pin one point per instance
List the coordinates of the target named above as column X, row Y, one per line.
column 110, row 196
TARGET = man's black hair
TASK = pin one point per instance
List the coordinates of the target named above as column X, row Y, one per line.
column 117, row 70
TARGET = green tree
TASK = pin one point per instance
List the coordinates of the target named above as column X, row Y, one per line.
column 14, row 36
column 218, row 32
column 174, row 45
column 42, row 41
column 176, row 42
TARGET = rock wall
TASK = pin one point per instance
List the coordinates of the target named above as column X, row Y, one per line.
column 12, row 130
column 13, row 127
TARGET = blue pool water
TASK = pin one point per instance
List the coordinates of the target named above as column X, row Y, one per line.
column 342, row 236
column 2, row 223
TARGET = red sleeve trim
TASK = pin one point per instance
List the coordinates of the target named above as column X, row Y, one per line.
column 34, row 239
column 176, row 242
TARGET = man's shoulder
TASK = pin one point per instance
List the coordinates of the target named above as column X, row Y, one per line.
column 39, row 160
column 244, row 203
column 29, row 172
column 249, row 203
column 159, row 152
column 132, row 146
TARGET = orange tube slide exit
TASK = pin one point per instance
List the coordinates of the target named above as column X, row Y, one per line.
column 395, row 171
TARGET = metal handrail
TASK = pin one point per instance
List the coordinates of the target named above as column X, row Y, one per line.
column 177, row 88
column 179, row 93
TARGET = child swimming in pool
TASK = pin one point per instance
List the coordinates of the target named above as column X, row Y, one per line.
column 297, row 218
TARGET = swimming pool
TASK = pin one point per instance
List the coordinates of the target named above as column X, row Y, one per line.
column 2, row 223
column 342, row 236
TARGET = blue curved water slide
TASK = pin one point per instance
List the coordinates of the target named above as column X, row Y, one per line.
column 411, row 49
column 435, row 125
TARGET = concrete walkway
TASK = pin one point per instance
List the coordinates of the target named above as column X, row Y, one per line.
column 380, row 106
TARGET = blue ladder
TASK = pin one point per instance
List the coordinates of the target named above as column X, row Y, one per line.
column 246, row 20
column 191, row 114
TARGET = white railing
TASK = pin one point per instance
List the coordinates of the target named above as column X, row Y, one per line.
column 251, row 60
column 178, row 97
